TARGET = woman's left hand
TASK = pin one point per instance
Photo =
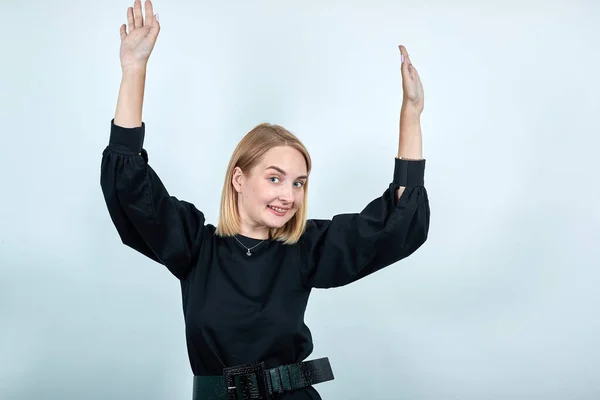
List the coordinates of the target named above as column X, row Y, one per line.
column 412, row 87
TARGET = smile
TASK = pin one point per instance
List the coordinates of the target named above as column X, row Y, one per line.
column 278, row 211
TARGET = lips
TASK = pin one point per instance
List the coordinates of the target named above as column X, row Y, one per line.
column 278, row 210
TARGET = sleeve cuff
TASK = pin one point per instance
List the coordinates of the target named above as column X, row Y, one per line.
column 127, row 140
column 409, row 173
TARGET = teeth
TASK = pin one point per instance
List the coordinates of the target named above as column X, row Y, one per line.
column 281, row 210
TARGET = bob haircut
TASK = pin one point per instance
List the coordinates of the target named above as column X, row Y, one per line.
column 247, row 155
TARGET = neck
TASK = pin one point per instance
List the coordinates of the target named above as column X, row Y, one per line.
column 255, row 233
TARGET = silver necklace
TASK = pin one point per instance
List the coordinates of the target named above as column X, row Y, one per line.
column 248, row 252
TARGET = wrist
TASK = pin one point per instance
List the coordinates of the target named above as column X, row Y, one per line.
column 134, row 71
column 410, row 112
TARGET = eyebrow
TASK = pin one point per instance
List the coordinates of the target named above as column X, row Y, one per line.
column 282, row 172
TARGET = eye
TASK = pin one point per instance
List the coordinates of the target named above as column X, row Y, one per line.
column 298, row 184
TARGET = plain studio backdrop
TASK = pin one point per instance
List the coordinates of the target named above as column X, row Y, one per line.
column 500, row 303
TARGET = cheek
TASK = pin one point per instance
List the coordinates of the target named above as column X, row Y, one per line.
column 298, row 200
column 261, row 196
column 252, row 196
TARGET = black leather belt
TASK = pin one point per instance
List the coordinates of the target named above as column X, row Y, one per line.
column 254, row 382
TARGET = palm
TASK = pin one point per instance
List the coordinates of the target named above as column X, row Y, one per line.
column 138, row 43
column 411, row 83
column 137, row 46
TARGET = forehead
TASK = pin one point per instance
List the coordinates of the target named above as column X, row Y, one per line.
column 285, row 157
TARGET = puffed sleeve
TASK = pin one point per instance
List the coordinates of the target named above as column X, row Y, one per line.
column 349, row 247
column 147, row 218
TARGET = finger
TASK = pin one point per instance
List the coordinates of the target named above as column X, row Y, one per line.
column 137, row 14
column 149, row 13
column 123, row 32
column 405, row 54
column 405, row 62
column 130, row 19
column 155, row 28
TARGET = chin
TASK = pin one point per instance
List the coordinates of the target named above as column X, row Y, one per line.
column 278, row 224
column 274, row 221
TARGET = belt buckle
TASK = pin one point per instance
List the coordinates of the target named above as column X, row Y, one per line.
column 257, row 369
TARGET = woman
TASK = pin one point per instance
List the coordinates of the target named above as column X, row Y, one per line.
column 245, row 283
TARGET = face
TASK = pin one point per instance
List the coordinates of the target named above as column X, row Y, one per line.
column 270, row 194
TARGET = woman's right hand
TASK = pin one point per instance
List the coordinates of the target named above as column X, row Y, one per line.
column 138, row 42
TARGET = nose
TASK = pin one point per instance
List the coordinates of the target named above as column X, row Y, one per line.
column 286, row 194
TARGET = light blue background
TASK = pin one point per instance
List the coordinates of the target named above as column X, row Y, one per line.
column 500, row 303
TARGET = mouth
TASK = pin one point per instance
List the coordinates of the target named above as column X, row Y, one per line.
column 278, row 211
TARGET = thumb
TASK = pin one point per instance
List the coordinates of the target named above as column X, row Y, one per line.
column 155, row 23
column 155, row 26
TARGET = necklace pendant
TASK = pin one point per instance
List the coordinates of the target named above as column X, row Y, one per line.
column 248, row 253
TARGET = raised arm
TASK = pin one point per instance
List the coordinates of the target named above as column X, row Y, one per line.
column 391, row 227
column 147, row 218
column 137, row 42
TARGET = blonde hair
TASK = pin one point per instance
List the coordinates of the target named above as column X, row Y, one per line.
column 248, row 154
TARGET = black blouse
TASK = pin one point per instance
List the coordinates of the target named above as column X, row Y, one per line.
column 242, row 309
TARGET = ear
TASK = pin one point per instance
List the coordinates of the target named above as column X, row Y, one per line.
column 237, row 179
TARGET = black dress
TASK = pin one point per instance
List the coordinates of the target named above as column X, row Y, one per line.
column 242, row 309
